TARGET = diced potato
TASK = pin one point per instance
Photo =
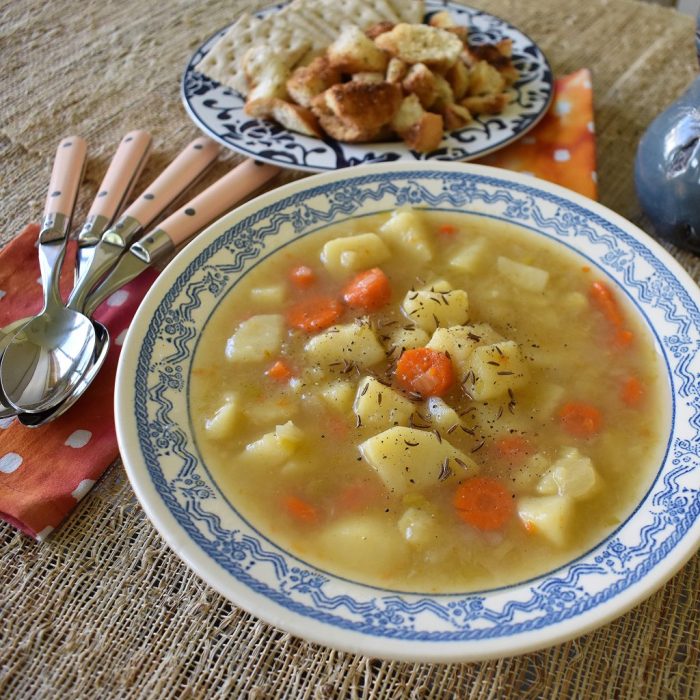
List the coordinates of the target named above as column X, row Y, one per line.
column 354, row 253
column 407, row 458
column 572, row 474
column 379, row 406
column 408, row 338
column 526, row 475
column 352, row 342
column 534, row 279
column 428, row 310
column 273, row 449
column 471, row 257
column 406, row 232
column 225, row 418
column 370, row 544
column 270, row 296
column 460, row 342
column 441, row 415
column 418, row 527
column 338, row 395
column 259, row 338
column 266, row 412
column 548, row 516
column 493, row 369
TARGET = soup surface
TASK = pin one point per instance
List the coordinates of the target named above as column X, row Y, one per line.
column 429, row 401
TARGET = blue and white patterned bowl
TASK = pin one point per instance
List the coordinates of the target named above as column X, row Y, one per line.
column 185, row 504
column 218, row 110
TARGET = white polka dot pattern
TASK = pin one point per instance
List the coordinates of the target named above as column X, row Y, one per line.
column 82, row 488
column 118, row 298
column 78, row 439
column 10, row 462
column 561, row 155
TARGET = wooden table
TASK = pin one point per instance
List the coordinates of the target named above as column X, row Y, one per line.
column 104, row 608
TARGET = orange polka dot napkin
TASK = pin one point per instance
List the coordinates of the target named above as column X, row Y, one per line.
column 46, row 471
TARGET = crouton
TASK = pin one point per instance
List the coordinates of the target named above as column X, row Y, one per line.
column 419, row 129
column 376, row 29
column 309, row 81
column 456, row 116
column 458, row 78
column 368, row 105
column 349, row 131
column 267, row 77
column 368, row 77
column 420, row 81
column 486, row 104
column 418, row 43
column 444, row 20
column 295, row 118
column 396, row 70
column 443, row 94
column 353, row 52
column 484, row 79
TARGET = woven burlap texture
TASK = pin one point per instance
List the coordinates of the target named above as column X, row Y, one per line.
column 104, row 608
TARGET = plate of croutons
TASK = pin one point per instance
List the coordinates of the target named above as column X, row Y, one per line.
column 318, row 85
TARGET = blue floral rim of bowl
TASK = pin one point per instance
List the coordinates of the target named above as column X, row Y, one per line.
column 186, row 505
column 218, row 110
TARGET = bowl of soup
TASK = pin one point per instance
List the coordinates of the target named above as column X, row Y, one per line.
column 430, row 412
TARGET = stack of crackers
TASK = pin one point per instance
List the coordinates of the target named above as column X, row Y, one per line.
column 362, row 71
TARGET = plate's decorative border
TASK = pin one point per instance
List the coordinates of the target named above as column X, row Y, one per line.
column 167, row 447
column 218, row 110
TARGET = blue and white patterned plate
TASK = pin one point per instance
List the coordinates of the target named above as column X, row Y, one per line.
column 184, row 502
column 218, row 110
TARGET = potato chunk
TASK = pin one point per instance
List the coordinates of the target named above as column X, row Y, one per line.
column 571, row 475
column 378, row 405
column 272, row 295
column 408, row 338
column 338, row 394
column 533, row 279
column 418, row 527
column 471, row 257
column 461, row 341
column 225, row 418
column 273, row 449
column 441, row 415
column 409, row 459
column 428, row 309
column 259, row 338
column 354, row 253
column 548, row 516
column 406, row 233
column 493, row 369
column 364, row 543
column 352, row 342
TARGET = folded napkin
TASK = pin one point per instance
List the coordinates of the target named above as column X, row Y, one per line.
column 44, row 472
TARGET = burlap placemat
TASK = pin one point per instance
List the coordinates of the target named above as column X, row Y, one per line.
column 104, row 609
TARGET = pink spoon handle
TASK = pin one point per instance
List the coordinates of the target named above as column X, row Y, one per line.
column 188, row 165
column 65, row 177
column 216, row 199
column 121, row 175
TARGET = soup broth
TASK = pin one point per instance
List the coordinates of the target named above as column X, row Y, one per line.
column 429, row 401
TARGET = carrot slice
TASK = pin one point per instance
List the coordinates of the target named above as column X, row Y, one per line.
column 514, row 448
column 354, row 497
column 632, row 391
column 314, row 313
column 280, row 371
column 302, row 276
column 370, row 290
column 300, row 510
column 448, row 229
column 425, row 371
column 580, row 419
column 602, row 296
column 484, row 503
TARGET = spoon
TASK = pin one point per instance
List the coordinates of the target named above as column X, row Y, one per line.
column 114, row 190
column 55, row 342
column 39, row 369
column 112, row 195
column 157, row 245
